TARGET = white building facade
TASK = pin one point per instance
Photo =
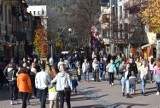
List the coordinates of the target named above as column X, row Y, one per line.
column 39, row 11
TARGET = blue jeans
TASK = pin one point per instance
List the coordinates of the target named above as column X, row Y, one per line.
column 143, row 84
column 101, row 73
column 158, row 86
column 127, row 86
column 86, row 76
column 74, row 89
column 132, row 87
column 106, row 76
column 151, row 75
column 43, row 96
column 123, row 80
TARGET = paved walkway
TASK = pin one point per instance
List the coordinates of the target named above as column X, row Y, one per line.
column 98, row 95
column 77, row 101
column 111, row 97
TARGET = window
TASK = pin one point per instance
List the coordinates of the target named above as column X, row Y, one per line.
column 38, row 13
column 34, row 12
column 126, row 30
column 42, row 12
column 120, row 12
column 120, row 31
column 113, row 10
column 9, row 16
column 126, row 13
column 2, row 11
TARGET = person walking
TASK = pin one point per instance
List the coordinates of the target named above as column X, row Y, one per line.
column 24, row 85
column 42, row 81
column 132, row 83
column 63, row 86
column 143, row 76
column 157, row 75
column 138, row 63
column 117, row 62
column 74, row 84
column 111, row 71
column 122, row 70
column 32, row 76
column 78, row 68
column 85, row 70
column 95, row 66
column 11, row 76
column 52, row 92
column 133, row 67
column 101, row 68
column 151, row 69
column 127, row 75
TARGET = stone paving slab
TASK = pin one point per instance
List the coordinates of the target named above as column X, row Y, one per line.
column 77, row 101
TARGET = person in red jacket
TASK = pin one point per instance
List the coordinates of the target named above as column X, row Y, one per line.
column 24, row 85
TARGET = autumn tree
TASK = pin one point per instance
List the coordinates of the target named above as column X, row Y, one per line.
column 151, row 15
column 58, row 43
column 40, row 43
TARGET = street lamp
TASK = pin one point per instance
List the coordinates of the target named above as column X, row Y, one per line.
column 50, row 42
column 70, row 30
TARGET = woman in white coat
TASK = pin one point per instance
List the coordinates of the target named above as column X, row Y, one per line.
column 63, row 86
column 143, row 74
column 52, row 92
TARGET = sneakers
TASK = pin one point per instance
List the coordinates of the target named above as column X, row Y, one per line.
column 28, row 102
column 16, row 102
column 112, row 84
column 144, row 94
column 11, row 102
column 128, row 96
column 157, row 93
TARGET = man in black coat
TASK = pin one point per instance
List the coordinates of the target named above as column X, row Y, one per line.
column 133, row 67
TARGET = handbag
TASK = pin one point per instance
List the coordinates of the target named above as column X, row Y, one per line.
column 107, row 69
column 67, row 89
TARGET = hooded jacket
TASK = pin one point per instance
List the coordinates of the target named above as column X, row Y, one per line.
column 62, row 81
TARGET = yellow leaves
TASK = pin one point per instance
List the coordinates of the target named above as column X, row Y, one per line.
column 59, row 43
column 40, row 43
column 151, row 15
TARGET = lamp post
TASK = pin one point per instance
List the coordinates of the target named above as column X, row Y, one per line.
column 69, row 30
column 50, row 42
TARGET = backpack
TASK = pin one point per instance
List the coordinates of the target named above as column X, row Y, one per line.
column 11, row 75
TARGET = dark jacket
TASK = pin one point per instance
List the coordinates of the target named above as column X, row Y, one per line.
column 74, row 83
column 133, row 67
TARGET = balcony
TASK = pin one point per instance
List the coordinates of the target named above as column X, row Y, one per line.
column 134, row 6
column 11, row 2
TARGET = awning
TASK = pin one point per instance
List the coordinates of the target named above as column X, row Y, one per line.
column 146, row 45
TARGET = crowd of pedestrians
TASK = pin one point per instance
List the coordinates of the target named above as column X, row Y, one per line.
column 33, row 78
